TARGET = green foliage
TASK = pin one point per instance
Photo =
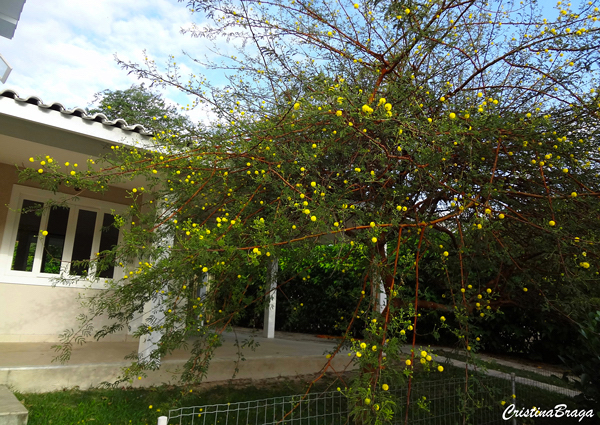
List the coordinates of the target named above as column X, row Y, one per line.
column 141, row 105
column 462, row 136
column 321, row 290
column 583, row 360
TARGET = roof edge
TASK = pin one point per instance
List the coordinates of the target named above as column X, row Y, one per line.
column 78, row 112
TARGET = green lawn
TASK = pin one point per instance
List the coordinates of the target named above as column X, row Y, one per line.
column 443, row 392
column 144, row 406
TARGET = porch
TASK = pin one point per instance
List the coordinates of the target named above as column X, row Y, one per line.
column 28, row 367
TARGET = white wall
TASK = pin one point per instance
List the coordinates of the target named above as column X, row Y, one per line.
column 31, row 313
column 36, row 313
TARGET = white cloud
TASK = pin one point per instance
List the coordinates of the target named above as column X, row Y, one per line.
column 63, row 50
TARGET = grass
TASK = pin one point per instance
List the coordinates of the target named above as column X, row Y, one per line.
column 144, row 405
column 443, row 392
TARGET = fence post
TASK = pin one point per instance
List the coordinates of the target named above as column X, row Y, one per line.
column 514, row 393
column 162, row 420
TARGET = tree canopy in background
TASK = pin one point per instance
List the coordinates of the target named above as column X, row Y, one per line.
column 456, row 142
column 141, row 105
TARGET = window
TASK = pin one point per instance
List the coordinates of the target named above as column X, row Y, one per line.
column 74, row 234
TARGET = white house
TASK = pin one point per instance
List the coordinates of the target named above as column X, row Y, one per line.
column 31, row 308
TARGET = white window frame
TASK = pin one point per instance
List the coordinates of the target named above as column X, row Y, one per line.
column 35, row 277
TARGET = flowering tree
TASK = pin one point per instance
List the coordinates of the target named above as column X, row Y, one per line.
column 457, row 141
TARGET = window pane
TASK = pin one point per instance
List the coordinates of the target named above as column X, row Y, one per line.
column 55, row 240
column 84, row 237
column 108, row 240
column 27, row 236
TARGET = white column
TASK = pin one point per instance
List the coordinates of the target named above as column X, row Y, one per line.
column 271, row 296
column 149, row 343
column 202, row 292
column 154, row 308
column 382, row 297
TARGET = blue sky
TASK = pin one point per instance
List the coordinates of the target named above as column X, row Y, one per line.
column 63, row 50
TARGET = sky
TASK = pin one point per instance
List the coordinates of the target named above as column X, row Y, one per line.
column 63, row 50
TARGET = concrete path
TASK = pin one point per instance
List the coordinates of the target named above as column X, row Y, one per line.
column 544, row 370
column 28, row 367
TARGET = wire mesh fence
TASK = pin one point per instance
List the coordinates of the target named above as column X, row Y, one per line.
column 452, row 401
column 315, row 408
column 436, row 402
